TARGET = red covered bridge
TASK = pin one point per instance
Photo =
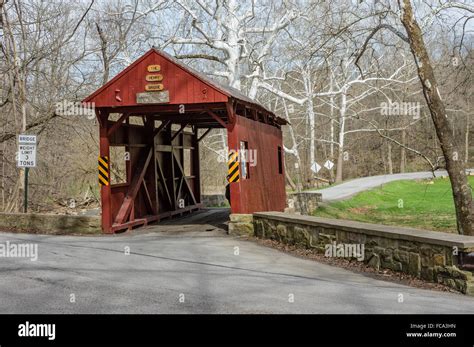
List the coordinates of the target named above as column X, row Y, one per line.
column 154, row 109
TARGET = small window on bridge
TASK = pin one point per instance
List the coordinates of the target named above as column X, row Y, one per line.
column 280, row 161
column 244, row 163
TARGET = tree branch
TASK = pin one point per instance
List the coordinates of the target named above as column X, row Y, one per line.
column 374, row 31
column 199, row 56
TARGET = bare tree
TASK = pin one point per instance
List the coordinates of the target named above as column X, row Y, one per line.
column 457, row 172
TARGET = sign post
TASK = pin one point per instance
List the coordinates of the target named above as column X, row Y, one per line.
column 26, row 159
column 25, row 202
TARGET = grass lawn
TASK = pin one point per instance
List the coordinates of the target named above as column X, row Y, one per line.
column 418, row 204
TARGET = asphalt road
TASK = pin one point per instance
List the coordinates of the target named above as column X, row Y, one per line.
column 194, row 257
column 352, row 187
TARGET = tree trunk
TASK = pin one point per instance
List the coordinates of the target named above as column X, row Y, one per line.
column 403, row 152
column 466, row 139
column 294, row 149
column 389, row 158
column 289, row 179
column 342, row 129
column 105, row 57
column 3, row 172
column 17, row 81
column 331, row 98
column 339, row 166
column 461, row 191
column 311, row 116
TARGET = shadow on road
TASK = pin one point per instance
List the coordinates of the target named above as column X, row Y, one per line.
column 214, row 217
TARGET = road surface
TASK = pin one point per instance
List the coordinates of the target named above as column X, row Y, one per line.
column 347, row 189
column 194, row 260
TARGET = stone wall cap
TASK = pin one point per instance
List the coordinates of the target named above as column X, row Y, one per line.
column 308, row 192
column 47, row 215
column 394, row 232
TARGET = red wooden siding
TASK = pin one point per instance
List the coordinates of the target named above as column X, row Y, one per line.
column 265, row 189
column 183, row 87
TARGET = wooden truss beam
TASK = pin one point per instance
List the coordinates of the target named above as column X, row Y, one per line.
column 183, row 176
column 133, row 189
column 217, row 118
column 160, row 128
column 179, row 131
column 164, row 182
column 118, row 123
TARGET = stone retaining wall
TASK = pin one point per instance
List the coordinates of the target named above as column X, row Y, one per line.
column 241, row 224
column 432, row 256
column 304, row 202
column 50, row 223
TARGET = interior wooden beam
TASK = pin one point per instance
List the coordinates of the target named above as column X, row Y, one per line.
column 118, row 123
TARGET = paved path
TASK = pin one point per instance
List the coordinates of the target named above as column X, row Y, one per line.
column 199, row 261
column 350, row 188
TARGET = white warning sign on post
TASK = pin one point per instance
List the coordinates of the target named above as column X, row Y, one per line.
column 328, row 164
column 315, row 167
column 26, row 151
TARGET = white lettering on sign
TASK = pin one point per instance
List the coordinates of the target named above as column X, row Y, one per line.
column 26, row 151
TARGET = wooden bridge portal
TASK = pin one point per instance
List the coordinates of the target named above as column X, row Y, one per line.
column 153, row 110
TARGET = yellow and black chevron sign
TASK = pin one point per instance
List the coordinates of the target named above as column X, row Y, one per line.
column 104, row 171
column 233, row 164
